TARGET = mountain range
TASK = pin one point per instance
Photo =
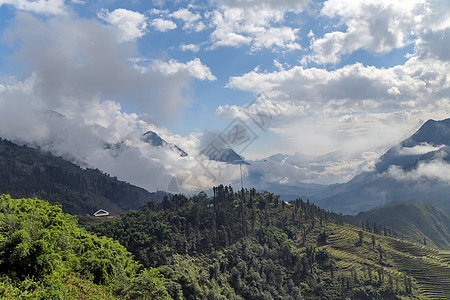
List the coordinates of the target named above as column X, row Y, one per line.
column 30, row 172
column 406, row 171
column 413, row 169
column 226, row 155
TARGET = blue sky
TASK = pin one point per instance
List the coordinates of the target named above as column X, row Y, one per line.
column 351, row 78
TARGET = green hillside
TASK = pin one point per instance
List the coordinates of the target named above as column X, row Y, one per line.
column 250, row 245
column 29, row 172
column 45, row 255
column 414, row 220
column 244, row 245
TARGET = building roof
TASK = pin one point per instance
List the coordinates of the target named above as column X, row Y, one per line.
column 101, row 213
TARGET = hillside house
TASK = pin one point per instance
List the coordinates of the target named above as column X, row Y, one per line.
column 101, row 213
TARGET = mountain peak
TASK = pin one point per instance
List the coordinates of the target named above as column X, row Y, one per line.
column 229, row 156
column 153, row 139
column 432, row 132
column 415, row 163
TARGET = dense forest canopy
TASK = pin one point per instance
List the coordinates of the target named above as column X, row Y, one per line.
column 233, row 245
column 249, row 245
column 30, row 172
column 45, row 255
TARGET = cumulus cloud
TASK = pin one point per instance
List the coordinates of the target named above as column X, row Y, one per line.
column 282, row 6
column 163, row 25
column 355, row 109
column 192, row 21
column 190, row 47
column 236, row 24
column 435, row 40
column 352, row 87
column 131, row 24
column 194, row 68
column 80, row 59
column 359, row 109
column 47, row 7
column 69, row 103
column 437, row 169
column 381, row 26
column 376, row 26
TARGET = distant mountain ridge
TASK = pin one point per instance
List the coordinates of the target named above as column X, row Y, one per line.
column 429, row 145
column 432, row 134
column 415, row 220
column 153, row 139
column 227, row 155
column 30, row 172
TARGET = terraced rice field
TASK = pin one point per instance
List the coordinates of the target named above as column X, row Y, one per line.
column 429, row 267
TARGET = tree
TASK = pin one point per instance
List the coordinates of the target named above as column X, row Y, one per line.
column 380, row 251
column 361, row 238
column 43, row 246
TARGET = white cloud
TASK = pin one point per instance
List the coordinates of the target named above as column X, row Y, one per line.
column 76, row 61
column 376, row 26
column 163, row 25
column 437, row 169
column 282, row 6
column 296, row 169
column 282, row 37
column 354, row 109
column 192, row 21
column 236, row 26
column 131, row 24
column 185, row 15
column 353, row 87
column 190, row 47
column 434, row 44
column 422, row 148
column 253, row 22
column 194, row 68
column 69, row 103
column 226, row 38
column 156, row 11
column 47, row 7
column 238, row 23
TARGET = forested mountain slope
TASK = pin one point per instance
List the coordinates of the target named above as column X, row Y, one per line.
column 29, row 172
column 415, row 220
column 249, row 245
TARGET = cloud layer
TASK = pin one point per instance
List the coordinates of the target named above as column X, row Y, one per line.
column 78, row 76
column 76, row 72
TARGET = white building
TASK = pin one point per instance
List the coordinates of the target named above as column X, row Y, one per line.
column 101, row 213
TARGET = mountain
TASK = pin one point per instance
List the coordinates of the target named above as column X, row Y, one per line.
column 30, row 172
column 433, row 136
column 250, row 245
column 227, row 155
column 415, row 220
column 409, row 170
column 153, row 139
column 222, row 155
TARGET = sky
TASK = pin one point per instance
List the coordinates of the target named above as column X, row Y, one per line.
column 320, row 89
